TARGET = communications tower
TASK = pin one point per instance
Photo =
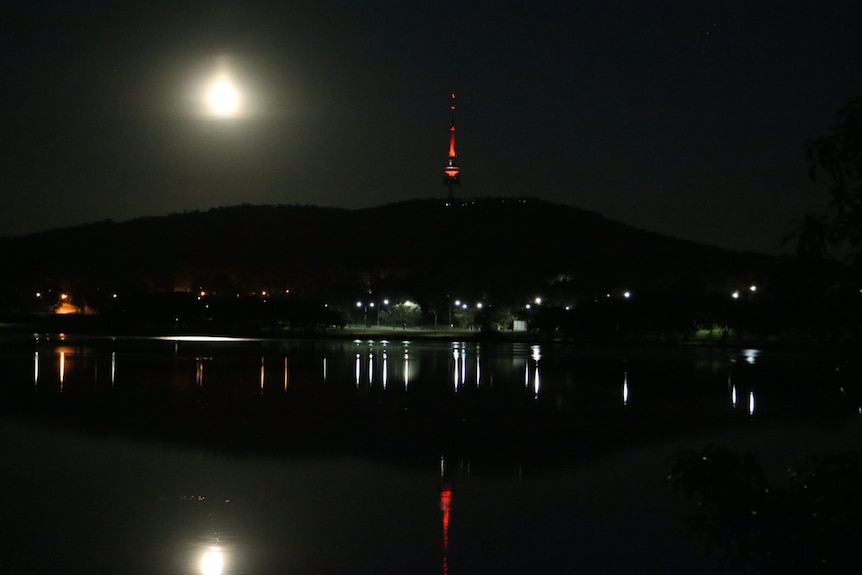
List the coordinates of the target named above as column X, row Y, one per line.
column 452, row 174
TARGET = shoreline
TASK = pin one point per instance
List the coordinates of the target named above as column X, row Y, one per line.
column 97, row 327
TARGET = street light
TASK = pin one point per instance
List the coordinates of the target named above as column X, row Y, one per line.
column 373, row 306
column 364, row 307
column 457, row 303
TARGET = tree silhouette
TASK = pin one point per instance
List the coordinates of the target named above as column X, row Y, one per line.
column 813, row 236
column 836, row 164
column 811, row 524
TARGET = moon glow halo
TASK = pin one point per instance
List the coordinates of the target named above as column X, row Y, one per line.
column 223, row 98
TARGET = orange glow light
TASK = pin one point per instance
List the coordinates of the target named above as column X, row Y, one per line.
column 65, row 308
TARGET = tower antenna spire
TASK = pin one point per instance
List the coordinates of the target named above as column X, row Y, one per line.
column 452, row 173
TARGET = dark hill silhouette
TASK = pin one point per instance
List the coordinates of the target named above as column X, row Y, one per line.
column 485, row 244
column 315, row 263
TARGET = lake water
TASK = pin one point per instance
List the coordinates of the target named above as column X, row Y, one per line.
column 202, row 455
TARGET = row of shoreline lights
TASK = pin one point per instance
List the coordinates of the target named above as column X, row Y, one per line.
column 458, row 304
column 372, row 305
column 462, row 305
column 538, row 301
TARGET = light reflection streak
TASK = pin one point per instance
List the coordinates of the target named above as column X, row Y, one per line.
column 385, row 368
column 625, row 388
column 456, row 354
column 406, row 368
column 463, row 364
column 478, row 369
column 731, row 387
column 751, row 355
column 535, row 355
column 203, row 338
column 447, row 489
column 536, row 384
column 446, row 508
column 459, row 376
column 76, row 362
column 62, row 369
column 358, row 368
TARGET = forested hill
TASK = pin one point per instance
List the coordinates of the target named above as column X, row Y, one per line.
column 497, row 246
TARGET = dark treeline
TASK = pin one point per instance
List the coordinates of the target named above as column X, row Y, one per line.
column 253, row 268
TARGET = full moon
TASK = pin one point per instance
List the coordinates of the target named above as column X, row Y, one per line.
column 223, row 98
column 223, row 89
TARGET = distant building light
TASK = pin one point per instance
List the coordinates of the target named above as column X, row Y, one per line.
column 735, row 295
column 753, row 288
column 627, row 294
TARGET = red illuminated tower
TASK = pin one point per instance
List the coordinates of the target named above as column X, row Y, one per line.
column 452, row 174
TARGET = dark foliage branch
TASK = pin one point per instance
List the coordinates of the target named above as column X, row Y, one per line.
column 836, row 165
column 810, row 525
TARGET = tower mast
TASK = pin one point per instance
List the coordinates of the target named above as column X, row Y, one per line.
column 452, row 174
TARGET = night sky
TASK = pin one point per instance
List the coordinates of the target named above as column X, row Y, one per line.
column 684, row 117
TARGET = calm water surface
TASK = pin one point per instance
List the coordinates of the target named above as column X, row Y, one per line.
column 230, row 456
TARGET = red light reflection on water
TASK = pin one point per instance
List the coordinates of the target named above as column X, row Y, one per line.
column 446, row 507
